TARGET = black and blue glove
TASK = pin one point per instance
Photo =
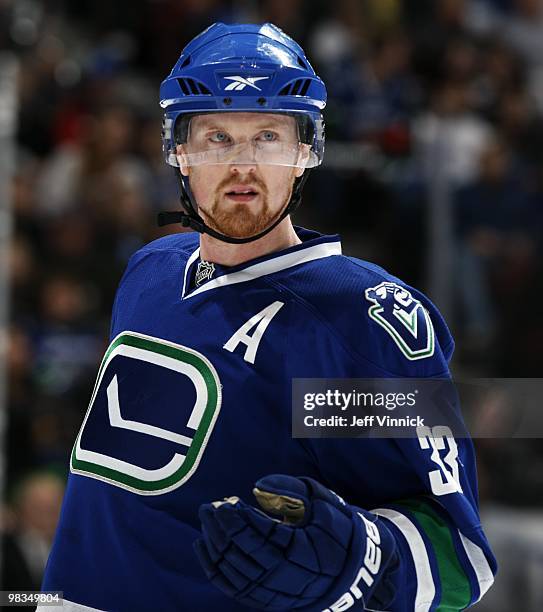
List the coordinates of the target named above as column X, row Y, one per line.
column 324, row 555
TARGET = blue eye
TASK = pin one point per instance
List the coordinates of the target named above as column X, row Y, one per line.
column 219, row 137
column 269, row 136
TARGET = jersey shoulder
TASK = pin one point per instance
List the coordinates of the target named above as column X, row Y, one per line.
column 161, row 256
column 182, row 242
column 381, row 318
column 155, row 269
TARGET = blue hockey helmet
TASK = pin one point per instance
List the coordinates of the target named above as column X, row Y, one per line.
column 240, row 68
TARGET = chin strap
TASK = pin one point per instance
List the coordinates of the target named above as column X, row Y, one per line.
column 189, row 217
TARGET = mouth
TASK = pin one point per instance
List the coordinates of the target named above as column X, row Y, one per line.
column 241, row 193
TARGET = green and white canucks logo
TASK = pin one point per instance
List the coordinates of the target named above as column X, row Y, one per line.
column 403, row 317
column 113, row 447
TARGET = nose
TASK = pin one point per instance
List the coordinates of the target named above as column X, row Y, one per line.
column 243, row 160
column 242, row 168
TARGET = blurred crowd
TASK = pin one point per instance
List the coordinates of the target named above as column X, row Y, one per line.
column 435, row 112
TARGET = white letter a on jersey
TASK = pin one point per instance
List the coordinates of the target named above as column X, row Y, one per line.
column 261, row 320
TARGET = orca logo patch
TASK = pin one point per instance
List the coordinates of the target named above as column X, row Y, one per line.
column 403, row 317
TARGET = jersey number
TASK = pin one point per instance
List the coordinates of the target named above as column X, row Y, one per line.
column 446, row 478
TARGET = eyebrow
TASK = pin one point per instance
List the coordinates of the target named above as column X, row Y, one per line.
column 267, row 122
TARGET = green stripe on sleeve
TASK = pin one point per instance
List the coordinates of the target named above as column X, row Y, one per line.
column 455, row 585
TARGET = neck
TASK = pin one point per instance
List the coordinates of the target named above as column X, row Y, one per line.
column 225, row 254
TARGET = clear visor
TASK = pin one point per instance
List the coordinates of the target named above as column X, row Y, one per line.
column 295, row 155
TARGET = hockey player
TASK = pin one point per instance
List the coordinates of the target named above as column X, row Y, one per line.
column 192, row 403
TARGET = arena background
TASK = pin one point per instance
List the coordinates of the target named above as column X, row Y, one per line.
column 433, row 169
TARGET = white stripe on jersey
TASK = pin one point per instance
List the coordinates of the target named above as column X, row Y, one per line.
column 425, row 583
column 477, row 558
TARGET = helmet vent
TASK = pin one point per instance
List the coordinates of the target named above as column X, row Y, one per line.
column 297, row 88
column 305, row 87
column 186, row 62
column 192, row 87
column 183, row 86
column 302, row 63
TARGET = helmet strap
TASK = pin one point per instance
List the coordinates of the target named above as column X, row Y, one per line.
column 189, row 216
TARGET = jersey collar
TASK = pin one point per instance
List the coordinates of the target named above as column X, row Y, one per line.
column 314, row 246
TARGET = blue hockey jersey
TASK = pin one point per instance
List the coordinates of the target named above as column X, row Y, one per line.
column 192, row 403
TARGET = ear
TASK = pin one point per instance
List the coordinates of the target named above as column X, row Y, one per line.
column 181, row 160
column 303, row 158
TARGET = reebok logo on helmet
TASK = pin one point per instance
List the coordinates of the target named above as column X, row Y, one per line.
column 240, row 83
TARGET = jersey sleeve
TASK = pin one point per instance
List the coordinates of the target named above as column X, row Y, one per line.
column 446, row 560
column 423, row 488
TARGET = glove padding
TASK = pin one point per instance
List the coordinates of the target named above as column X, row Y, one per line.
column 323, row 553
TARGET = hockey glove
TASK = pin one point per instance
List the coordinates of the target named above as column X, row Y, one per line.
column 323, row 555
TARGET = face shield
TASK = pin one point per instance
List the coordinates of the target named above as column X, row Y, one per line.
column 221, row 146
column 252, row 152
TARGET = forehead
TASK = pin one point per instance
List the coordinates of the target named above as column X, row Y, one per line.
column 242, row 121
